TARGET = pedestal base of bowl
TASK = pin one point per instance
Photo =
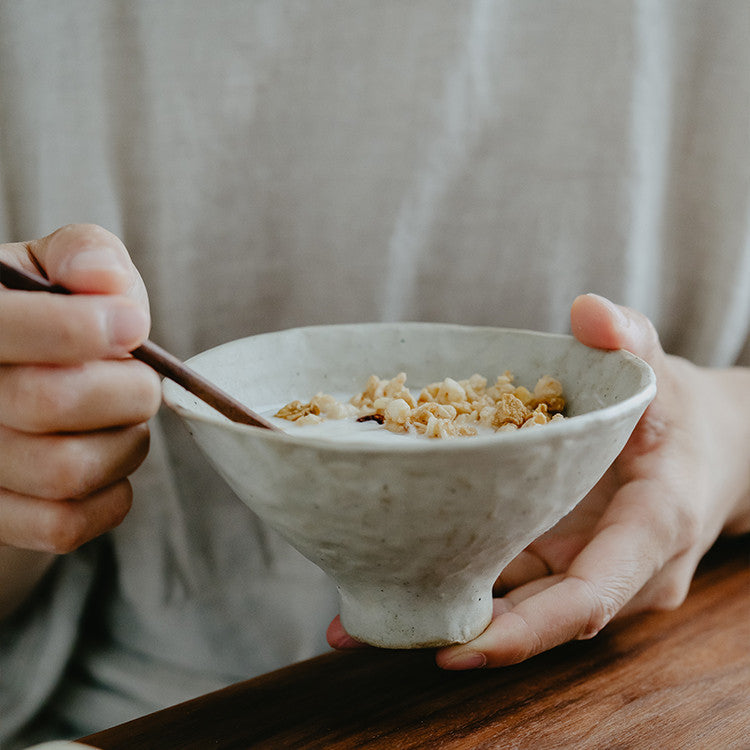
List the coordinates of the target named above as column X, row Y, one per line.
column 403, row 617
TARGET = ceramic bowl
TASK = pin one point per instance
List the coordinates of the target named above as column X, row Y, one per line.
column 413, row 531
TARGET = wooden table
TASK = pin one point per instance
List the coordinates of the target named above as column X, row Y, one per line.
column 670, row 680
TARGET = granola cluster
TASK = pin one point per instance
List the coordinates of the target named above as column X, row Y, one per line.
column 449, row 408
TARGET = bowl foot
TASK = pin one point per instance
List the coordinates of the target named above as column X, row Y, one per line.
column 401, row 617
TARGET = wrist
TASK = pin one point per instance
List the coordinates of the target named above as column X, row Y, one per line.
column 733, row 444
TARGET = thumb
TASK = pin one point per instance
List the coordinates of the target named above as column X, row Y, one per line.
column 107, row 317
column 599, row 323
column 87, row 259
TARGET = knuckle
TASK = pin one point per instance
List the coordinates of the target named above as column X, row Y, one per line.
column 78, row 467
column 601, row 607
column 688, row 526
column 671, row 595
column 670, row 587
column 673, row 520
column 47, row 402
column 63, row 528
column 66, row 525
column 596, row 623
column 67, row 471
column 534, row 643
column 19, row 405
column 678, row 525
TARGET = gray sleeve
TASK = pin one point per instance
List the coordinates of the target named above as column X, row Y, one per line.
column 37, row 641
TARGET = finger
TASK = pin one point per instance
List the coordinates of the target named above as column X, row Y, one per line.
column 58, row 467
column 553, row 616
column 515, row 596
column 51, row 328
column 551, row 553
column 668, row 589
column 338, row 637
column 602, row 579
column 525, row 567
column 600, row 323
column 60, row 526
column 92, row 396
column 56, row 329
column 86, row 258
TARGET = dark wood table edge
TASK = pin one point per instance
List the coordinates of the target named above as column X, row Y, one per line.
column 728, row 561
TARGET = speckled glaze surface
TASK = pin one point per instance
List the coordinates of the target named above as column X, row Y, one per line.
column 414, row 532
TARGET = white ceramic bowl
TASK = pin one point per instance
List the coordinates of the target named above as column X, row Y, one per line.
column 414, row 531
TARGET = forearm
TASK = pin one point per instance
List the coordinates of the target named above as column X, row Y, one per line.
column 20, row 572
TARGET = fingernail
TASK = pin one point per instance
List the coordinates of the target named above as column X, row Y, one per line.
column 617, row 312
column 127, row 326
column 466, row 660
column 96, row 259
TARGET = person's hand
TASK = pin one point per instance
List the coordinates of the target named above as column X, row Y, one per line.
column 634, row 542
column 73, row 406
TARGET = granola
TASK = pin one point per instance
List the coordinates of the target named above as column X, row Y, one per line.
column 445, row 409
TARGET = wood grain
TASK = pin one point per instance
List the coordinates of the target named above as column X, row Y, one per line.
column 666, row 680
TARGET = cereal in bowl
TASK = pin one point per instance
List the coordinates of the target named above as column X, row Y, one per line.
column 446, row 409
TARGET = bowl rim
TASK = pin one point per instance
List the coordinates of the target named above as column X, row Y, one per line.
column 638, row 401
